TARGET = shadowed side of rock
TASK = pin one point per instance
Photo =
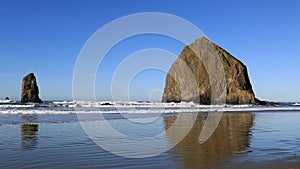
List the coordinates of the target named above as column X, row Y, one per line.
column 30, row 90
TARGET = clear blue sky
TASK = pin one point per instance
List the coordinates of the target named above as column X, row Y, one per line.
column 46, row 36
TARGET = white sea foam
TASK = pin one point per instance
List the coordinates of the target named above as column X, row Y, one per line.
column 15, row 106
column 87, row 107
column 5, row 101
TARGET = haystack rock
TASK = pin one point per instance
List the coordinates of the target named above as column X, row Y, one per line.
column 212, row 69
column 30, row 90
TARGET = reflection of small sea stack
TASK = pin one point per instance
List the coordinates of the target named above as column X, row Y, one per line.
column 29, row 129
column 29, row 136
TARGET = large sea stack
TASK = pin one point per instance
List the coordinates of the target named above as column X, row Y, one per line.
column 203, row 59
column 30, row 90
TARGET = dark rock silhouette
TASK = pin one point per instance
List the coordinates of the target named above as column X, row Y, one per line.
column 238, row 89
column 6, row 98
column 106, row 104
column 30, row 90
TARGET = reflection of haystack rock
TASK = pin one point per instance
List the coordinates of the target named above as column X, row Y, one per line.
column 231, row 136
column 29, row 136
column 199, row 57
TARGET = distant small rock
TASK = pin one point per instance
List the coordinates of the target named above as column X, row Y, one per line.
column 106, row 104
column 6, row 98
column 30, row 90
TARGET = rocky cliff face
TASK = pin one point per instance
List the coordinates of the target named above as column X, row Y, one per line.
column 202, row 68
column 30, row 90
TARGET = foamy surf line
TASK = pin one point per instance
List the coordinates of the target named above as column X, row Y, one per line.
column 155, row 110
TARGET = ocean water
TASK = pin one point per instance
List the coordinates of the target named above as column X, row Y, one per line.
column 51, row 135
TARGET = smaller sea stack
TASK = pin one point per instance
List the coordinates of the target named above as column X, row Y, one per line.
column 30, row 90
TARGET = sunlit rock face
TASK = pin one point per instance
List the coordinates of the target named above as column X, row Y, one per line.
column 202, row 63
column 30, row 90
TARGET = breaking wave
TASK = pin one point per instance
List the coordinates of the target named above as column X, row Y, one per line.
column 110, row 107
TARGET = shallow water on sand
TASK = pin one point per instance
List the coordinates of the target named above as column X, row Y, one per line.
column 242, row 140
